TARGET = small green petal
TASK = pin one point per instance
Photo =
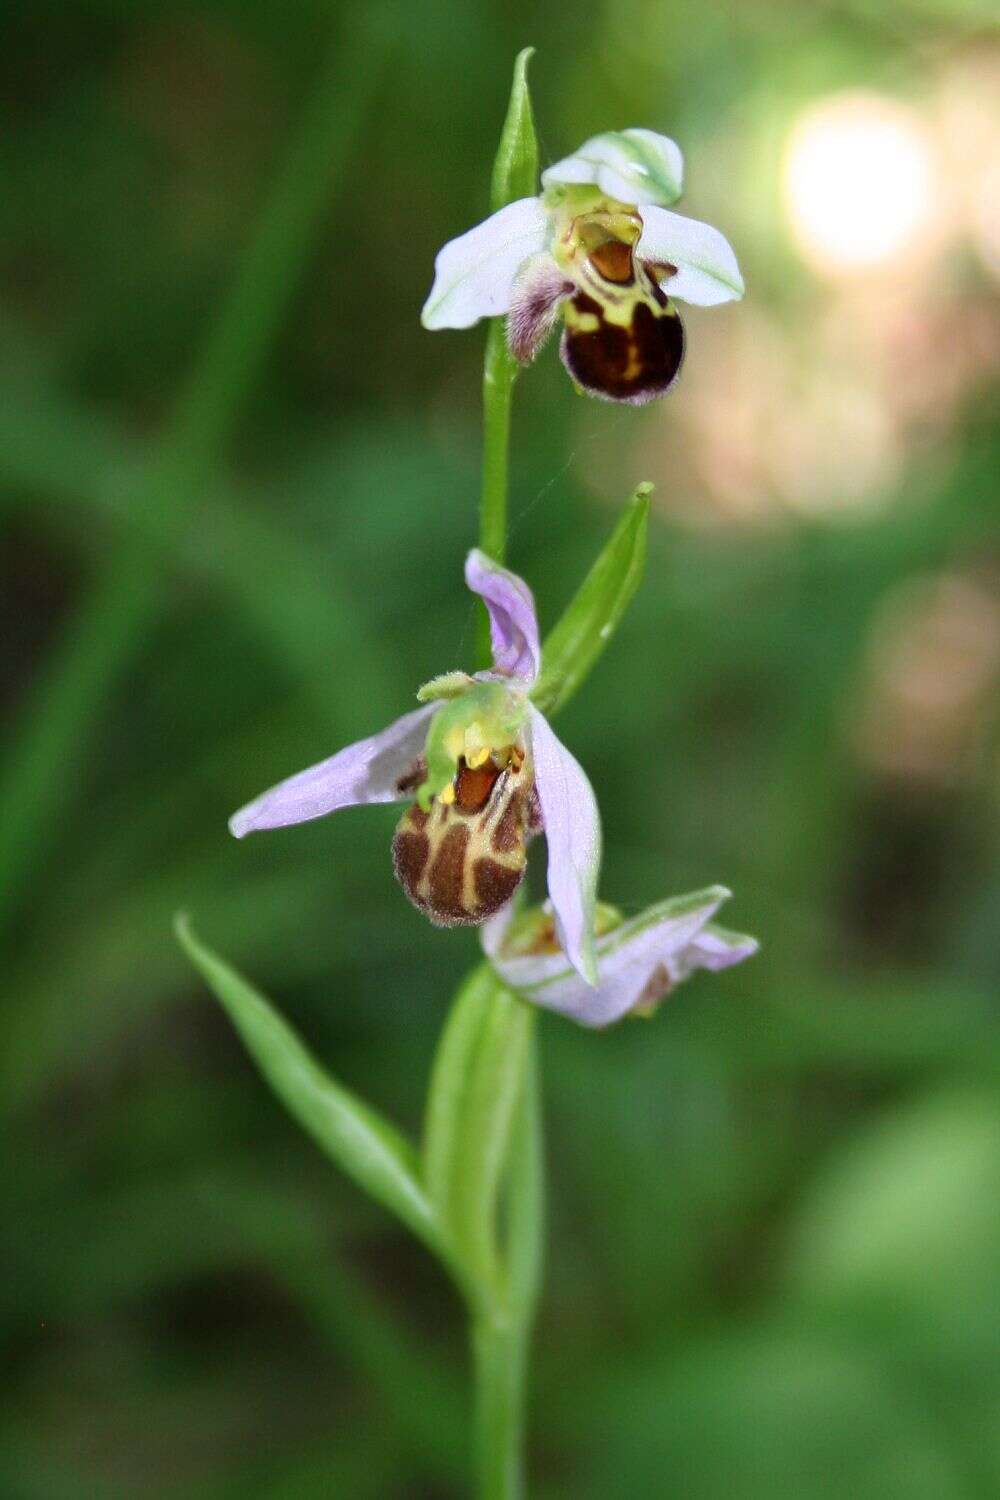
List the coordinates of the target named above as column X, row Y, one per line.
column 448, row 685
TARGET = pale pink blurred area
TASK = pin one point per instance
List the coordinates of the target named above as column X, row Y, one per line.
column 869, row 235
column 925, row 708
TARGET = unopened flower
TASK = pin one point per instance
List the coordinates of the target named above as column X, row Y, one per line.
column 639, row 961
column 486, row 772
column 600, row 247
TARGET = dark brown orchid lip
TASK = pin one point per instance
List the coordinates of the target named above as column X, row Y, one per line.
column 634, row 361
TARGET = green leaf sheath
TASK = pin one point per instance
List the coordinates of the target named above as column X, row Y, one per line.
column 476, row 1091
column 515, row 175
column 365, row 1146
column 573, row 646
column 482, row 1153
column 446, row 1096
column 526, row 1198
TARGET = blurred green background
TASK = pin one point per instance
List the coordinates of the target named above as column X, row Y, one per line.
column 238, row 481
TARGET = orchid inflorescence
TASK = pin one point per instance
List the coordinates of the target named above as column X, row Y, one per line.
column 478, row 762
column 482, row 772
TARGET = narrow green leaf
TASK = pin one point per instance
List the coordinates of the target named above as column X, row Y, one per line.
column 515, row 169
column 365, row 1146
column 573, row 646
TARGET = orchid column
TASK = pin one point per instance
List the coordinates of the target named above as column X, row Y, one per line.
column 482, row 771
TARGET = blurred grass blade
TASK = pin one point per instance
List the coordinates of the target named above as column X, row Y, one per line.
column 107, row 630
column 515, row 168
column 366, row 1147
column 573, row 646
column 476, row 1086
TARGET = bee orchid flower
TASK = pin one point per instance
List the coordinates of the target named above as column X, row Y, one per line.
column 639, row 960
column 483, row 772
column 599, row 247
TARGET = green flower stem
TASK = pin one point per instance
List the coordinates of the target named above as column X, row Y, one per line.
column 123, row 601
column 515, row 175
column 499, row 375
column 502, row 1321
column 499, row 1349
column 501, row 1336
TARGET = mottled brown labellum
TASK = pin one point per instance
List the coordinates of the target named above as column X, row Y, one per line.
column 463, row 860
column 634, row 361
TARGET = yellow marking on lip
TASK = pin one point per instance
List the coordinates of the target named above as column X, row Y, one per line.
column 622, row 313
column 581, row 322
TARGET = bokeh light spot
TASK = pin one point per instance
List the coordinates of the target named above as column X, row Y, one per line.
column 857, row 182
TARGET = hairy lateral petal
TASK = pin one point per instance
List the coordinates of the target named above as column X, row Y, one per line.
column 474, row 275
column 573, row 833
column 640, row 960
column 707, row 272
column 517, row 651
column 539, row 289
column 368, row 771
column 633, row 166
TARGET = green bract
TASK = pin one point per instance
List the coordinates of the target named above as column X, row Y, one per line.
column 592, row 617
column 515, row 167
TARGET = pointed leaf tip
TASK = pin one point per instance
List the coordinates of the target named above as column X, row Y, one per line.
column 515, row 169
column 363, row 1144
column 593, row 615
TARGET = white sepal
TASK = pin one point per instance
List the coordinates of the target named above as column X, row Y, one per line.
column 707, row 272
column 474, row 274
column 632, row 166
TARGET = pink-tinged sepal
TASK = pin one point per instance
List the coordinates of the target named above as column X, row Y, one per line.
column 517, row 649
column 639, row 961
column 540, row 289
column 372, row 770
column 572, row 826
